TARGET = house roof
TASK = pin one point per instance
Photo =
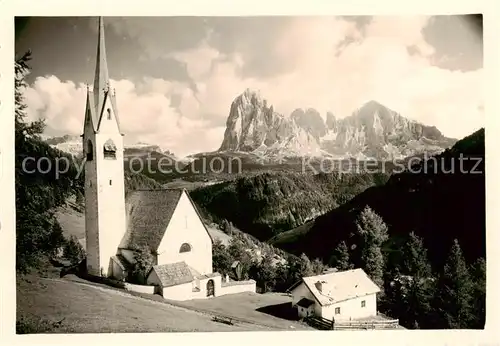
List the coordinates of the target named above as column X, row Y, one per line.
column 340, row 286
column 148, row 214
column 305, row 303
column 173, row 273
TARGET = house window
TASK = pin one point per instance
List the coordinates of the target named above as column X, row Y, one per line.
column 109, row 113
column 337, row 311
column 363, row 303
column 110, row 182
column 90, row 150
column 185, row 248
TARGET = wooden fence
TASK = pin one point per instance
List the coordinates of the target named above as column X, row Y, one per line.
column 353, row 325
column 325, row 324
column 319, row 323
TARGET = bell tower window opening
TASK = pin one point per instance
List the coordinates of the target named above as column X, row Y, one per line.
column 90, row 151
column 111, row 155
column 109, row 150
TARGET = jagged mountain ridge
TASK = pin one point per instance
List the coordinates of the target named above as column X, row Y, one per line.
column 372, row 131
column 252, row 125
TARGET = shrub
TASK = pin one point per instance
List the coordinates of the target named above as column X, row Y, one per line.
column 73, row 250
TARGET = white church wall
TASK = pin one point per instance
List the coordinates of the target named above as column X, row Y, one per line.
column 178, row 292
column 202, row 286
column 186, row 227
column 140, row 288
column 237, row 287
column 111, row 188
column 91, row 202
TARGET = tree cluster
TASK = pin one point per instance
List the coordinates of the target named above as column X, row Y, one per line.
column 273, row 270
column 420, row 297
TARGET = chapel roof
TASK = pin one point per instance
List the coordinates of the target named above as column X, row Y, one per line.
column 148, row 214
column 173, row 274
column 335, row 287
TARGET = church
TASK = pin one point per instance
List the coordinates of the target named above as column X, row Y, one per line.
column 164, row 222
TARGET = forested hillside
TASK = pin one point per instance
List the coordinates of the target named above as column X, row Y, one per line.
column 436, row 204
column 269, row 203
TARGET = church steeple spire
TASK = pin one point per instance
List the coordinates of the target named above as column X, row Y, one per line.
column 101, row 80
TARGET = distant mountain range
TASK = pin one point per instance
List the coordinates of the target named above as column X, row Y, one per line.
column 372, row 131
column 255, row 130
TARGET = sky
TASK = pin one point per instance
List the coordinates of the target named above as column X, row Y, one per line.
column 175, row 77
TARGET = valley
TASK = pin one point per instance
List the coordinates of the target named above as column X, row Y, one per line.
column 281, row 192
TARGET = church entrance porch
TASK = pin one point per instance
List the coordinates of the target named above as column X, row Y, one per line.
column 210, row 288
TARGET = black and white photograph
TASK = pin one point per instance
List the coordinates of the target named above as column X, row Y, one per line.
column 249, row 173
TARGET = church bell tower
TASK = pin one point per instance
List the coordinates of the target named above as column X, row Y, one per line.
column 104, row 175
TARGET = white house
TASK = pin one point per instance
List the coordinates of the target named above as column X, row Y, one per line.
column 164, row 222
column 339, row 296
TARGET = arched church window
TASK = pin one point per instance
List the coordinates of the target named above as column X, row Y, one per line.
column 109, row 150
column 109, row 113
column 185, row 248
column 90, row 150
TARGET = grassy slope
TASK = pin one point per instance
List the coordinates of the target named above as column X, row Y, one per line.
column 85, row 308
column 89, row 309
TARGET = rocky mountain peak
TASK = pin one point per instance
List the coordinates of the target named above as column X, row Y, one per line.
column 331, row 122
column 373, row 130
column 253, row 125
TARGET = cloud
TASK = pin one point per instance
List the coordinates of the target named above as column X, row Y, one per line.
column 330, row 64
column 389, row 61
column 145, row 112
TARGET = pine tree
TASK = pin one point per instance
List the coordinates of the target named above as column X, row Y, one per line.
column 415, row 261
column 454, row 291
column 318, row 266
column 306, row 268
column 266, row 273
column 415, row 284
column 373, row 233
column 38, row 233
column 144, row 261
column 341, row 258
column 479, row 303
column 23, row 128
column 221, row 258
column 73, row 250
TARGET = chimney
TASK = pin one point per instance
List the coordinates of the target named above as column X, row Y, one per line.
column 319, row 286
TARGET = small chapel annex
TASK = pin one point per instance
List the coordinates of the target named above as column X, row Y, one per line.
column 165, row 222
